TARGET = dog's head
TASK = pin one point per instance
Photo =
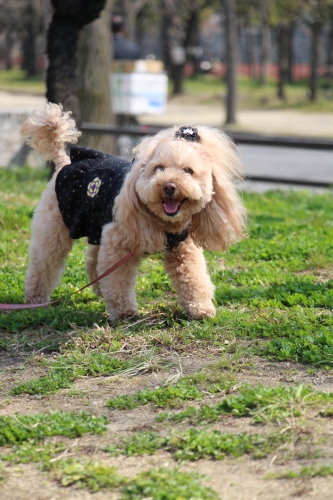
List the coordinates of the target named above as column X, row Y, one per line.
column 183, row 177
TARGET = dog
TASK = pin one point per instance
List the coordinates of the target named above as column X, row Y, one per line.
column 177, row 197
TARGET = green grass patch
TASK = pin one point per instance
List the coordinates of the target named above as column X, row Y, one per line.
column 29, row 451
column 16, row 80
column 67, row 368
column 38, row 426
column 277, row 286
column 167, row 484
column 157, row 484
column 313, row 471
column 94, row 476
column 263, row 404
column 170, row 396
column 210, row 89
column 196, row 444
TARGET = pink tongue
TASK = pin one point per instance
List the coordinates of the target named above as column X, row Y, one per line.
column 171, row 205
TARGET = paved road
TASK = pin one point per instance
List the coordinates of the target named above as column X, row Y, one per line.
column 287, row 162
column 290, row 163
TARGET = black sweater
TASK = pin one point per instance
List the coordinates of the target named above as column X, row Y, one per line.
column 86, row 190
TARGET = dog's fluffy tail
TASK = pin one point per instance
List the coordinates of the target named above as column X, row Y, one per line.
column 47, row 133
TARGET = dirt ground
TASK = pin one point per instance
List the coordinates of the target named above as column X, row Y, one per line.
column 242, row 478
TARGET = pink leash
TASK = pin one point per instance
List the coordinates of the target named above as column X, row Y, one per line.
column 44, row 304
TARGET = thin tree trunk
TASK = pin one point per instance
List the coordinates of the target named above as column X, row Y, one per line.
column 330, row 51
column 231, row 59
column 283, row 61
column 265, row 41
column 29, row 38
column 132, row 9
column 94, row 71
column 250, row 45
column 174, row 37
column 9, row 39
column 316, row 29
column 290, row 53
column 193, row 39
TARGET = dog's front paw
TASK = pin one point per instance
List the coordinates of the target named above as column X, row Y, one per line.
column 119, row 315
column 201, row 310
column 36, row 299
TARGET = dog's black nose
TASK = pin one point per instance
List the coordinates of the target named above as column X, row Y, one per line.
column 169, row 188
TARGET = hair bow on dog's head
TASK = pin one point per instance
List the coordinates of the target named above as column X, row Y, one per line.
column 188, row 133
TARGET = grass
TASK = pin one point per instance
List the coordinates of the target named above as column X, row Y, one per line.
column 66, row 369
column 196, row 444
column 263, row 404
column 157, row 484
column 15, row 80
column 166, row 484
column 20, row 428
column 171, row 396
column 268, row 287
column 210, row 89
column 305, row 472
column 274, row 300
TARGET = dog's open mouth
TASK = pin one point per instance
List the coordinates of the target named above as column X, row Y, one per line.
column 171, row 206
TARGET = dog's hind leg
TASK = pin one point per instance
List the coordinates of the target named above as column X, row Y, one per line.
column 187, row 269
column 50, row 244
column 91, row 266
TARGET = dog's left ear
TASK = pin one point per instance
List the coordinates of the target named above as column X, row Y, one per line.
column 223, row 219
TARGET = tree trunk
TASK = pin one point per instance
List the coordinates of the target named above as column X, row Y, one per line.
column 316, row 29
column 265, row 41
column 174, row 36
column 68, row 19
column 94, row 71
column 231, row 59
column 290, row 53
column 251, row 56
column 29, row 54
column 177, row 76
column 192, row 42
column 132, row 9
column 30, row 33
column 283, row 60
column 9, row 44
column 329, row 72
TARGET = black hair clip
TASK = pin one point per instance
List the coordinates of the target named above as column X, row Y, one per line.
column 188, row 133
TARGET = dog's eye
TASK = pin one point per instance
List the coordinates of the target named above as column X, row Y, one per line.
column 159, row 167
column 188, row 171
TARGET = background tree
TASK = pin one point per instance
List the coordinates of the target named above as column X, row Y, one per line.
column 32, row 15
column 131, row 10
column 284, row 14
column 316, row 13
column 22, row 20
column 229, row 8
column 93, row 71
column 246, row 12
column 68, row 19
column 264, row 9
column 179, row 22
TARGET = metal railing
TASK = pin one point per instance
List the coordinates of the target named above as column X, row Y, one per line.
column 237, row 137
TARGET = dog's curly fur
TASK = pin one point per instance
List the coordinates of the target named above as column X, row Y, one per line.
column 202, row 175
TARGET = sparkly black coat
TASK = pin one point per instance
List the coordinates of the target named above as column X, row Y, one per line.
column 86, row 190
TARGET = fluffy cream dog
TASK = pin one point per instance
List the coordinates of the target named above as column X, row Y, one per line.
column 178, row 197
